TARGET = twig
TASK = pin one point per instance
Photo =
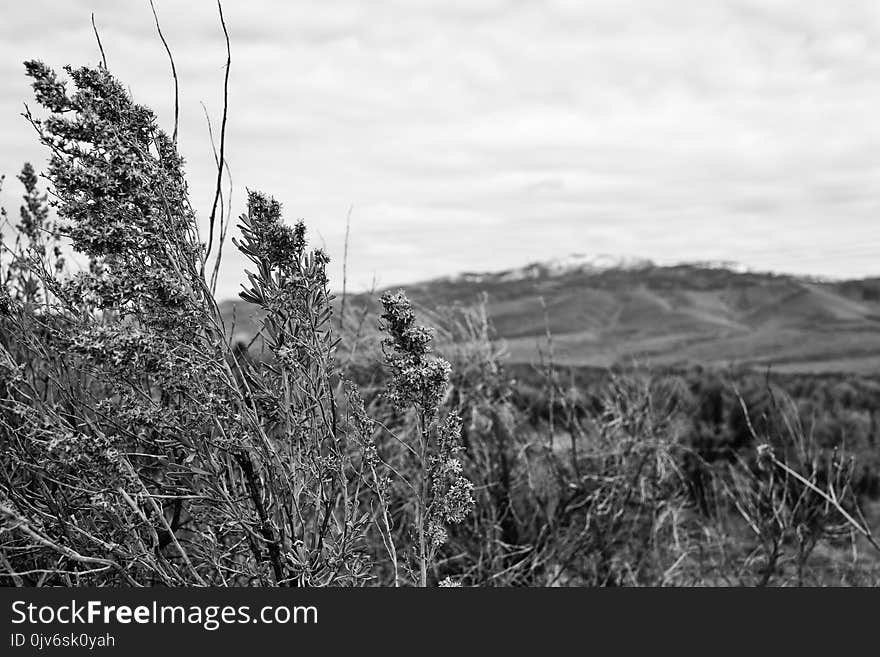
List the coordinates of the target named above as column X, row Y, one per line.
column 225, row 212
column 173, row 71
column 212, row 219
column 100, row 47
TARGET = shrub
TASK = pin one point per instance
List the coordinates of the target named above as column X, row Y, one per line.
column 137, row 446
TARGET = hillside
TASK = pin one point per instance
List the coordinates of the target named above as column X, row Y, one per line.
column 603, row 312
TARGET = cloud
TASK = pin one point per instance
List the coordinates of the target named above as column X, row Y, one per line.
column 483, row 134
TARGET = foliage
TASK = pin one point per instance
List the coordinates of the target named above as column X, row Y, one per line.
column 139, row 447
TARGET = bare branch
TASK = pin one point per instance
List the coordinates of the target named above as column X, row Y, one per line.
column 212, row 219
column 173, row 72
column 100, row 46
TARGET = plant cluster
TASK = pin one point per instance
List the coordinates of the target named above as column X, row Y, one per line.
column 138, row 446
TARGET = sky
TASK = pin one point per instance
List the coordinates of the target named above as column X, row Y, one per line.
column 478, row 135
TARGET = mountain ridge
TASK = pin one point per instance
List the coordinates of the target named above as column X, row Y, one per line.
column 715, row 314
column 602, row 312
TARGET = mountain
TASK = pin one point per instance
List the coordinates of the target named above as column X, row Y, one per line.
column 604, row 311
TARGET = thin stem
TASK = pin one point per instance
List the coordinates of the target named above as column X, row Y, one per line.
column 100, row 46
column 213, row 216
column 173, row 72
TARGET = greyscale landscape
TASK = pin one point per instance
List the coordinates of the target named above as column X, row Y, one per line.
column 198, row 389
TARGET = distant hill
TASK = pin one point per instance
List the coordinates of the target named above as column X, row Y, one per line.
column 604, row 311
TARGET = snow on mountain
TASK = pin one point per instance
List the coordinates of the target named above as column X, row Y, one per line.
column 572, row 263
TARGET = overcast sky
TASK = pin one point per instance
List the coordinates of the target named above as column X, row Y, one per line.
column 485, row 134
